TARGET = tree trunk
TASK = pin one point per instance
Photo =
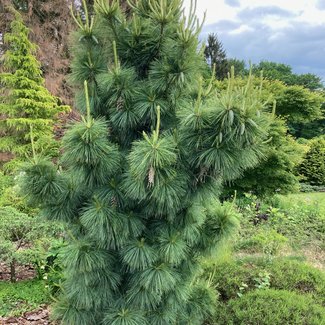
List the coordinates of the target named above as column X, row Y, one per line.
column 13, row 271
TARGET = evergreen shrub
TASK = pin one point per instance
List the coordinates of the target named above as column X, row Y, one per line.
column 140, row 175
column 25, row 104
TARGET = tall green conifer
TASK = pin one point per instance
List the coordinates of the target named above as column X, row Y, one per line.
column 25, row 103
column 140, row 175
column 216, row 55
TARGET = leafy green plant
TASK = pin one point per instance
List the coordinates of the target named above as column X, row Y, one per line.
column 312, row 169
column 262, row 281
column 52, row 268
column 242, row 289
column 10, row 196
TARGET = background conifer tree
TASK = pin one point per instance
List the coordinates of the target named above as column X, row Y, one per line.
column 24, row 101
column 140, row 176
column 216, row 55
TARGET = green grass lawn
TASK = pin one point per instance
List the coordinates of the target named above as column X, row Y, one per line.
column 295, row 227
column 312, row 200
column 17, row 298
column 276, row 265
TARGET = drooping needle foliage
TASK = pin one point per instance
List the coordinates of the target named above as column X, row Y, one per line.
column 25, row 103
column 139, row 178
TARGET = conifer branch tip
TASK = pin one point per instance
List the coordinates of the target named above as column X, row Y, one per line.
column 87, row 102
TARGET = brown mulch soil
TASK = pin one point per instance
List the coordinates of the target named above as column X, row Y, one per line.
column 38, row 317
column 23, row 272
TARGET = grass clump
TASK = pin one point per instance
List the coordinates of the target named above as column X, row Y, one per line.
column 234, row 278
column 18, row 298
column 271, row 307
column 294, row 222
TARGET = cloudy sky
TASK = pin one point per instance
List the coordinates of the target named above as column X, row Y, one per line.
column 285, row 31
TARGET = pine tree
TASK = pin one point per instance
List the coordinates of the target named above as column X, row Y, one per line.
column 216, row 55
column 25, row 103
column 139, row 178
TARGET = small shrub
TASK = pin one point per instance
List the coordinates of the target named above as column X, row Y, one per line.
column 312, row 169
column 271, row 307
column 231, row 279
column 52, row 269
column 5, row 182
column 9, row 194
column 307, row 188
column 293, row 275
column 24, row 239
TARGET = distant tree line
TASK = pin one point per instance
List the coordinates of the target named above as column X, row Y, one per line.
column 299, row 106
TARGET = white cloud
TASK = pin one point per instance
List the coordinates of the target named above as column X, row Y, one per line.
column 307, row 10
column 215, row 9
column 275, row 37
column 290, row 32
column 276, row 23
column 241, row 29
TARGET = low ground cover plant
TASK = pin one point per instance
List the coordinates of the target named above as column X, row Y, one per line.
column 234, row 277
column 295, row 221
column 17, row 298
column 269, row 307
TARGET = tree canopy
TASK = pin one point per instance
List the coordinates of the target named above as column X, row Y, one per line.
column 283, row 72
column 312, row 169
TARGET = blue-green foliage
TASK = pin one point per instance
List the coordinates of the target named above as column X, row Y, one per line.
column 140, row 175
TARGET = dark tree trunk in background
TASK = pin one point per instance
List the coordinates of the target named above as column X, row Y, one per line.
column 13, row 271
